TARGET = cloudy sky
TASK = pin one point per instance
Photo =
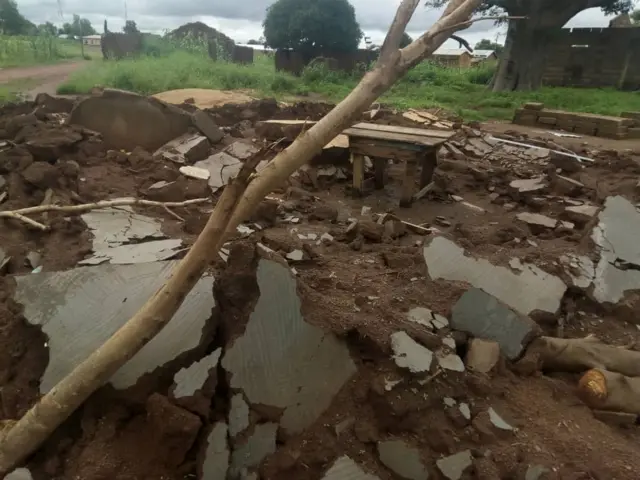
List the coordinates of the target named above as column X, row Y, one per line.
column 242, row 20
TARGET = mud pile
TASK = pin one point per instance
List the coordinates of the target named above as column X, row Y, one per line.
column 335, row 338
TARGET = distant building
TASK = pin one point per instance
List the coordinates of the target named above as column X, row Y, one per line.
column 452, row 57
column 256, row 46
column 484, row 56
column 92, row 40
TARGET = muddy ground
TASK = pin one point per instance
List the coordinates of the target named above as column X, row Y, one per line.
column 359, row 286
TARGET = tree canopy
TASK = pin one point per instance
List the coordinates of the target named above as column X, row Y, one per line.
column 635, row 16
column 47, row 29
column 486, row 44
column 130, row 27
column 406, row 40
column 11, row 20
column 312, row 25
column 80, row 27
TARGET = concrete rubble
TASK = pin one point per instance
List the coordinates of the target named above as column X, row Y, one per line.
column 446, row 261
column 191, row 379
column 409, row 354
column 402, row 459
column 454, row 466
column 278, row 365
column 346, row 469
column 61, row 302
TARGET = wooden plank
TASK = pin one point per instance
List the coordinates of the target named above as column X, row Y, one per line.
column 358, row 173
column 376, row 149
column 420, row 132
column 396, row 137
column 341, row 141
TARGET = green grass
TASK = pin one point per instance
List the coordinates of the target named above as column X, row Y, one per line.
column 461, row 91
column 18, row 51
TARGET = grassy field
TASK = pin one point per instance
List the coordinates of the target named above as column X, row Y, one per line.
column 18, row 51
column 461, row 91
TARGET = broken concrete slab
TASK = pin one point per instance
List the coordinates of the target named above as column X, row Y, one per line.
column 483, row 316
column 346, row 469
column 187, row 148
column 121, row 236
column 482, row 355
column 238, row 415
column 537, row 220
column 535, row 472
column 617, row 270
column 580, row 269
column 498, row 421
column 534, row 185
column 281, row 360
column 195, row 172
column 426, row 317
column 454, row 466
column 409, row 354
column 222, row 168
column 80, row 309
column 261, row 443
column 216, row 456
column 581, row 214
column 190, row 379
column 525, row 291
column 402, row 459
column 242, row 150
column 127, row 120
column 205, row 124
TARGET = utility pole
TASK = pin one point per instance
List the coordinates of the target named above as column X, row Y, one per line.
column 125, row 12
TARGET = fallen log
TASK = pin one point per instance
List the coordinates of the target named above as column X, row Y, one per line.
column 604, row 390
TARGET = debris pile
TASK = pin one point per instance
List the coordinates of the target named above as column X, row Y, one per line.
column 336, row 337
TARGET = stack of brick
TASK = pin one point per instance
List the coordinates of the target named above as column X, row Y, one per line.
column 625, row 126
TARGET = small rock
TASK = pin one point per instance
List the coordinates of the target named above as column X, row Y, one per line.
column 465, row 411
column 402, row 459
column 371, row 231
column 410, row 354
column 528, row 186
column 449, row 342
column 498, row 421
column 241, row 150
column 365, row 211
column 565, row 163
column 482, row 355
column 344, row 425
column 473, row 207
column 345, row 468
column 19, row 474
column 41, row 174
column 295, row 256
column 449, row 402
column 537, row 220
column 454, row 466
column 195, row 172
column 323, row 213
column 451, row 362
column 443, row 222
column 535, row 472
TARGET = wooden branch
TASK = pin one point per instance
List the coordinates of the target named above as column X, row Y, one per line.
column 85, row 207
column 580, row 354
column 468, row 23
column 391, row 43
column 604, row 390
column 462, row 42
column 28, row 433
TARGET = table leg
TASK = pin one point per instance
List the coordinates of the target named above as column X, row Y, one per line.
column 379, row 165
column 429, row 163
column 408, row 183
column 358, row 173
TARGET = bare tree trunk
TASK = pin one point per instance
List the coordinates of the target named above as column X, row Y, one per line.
column 19, row 441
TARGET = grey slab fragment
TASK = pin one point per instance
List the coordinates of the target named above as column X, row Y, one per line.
column 190, row 379
column 80, row 309
column 19, row 474
column 346, row 469
column 258, row 446
column 402, row 459
column 155, row 251
column 216, row 459
column 454, row 466
column 238, row 415
column 528, row 290
column 222, row 167
column 483, row 316
column 283, row 361
column 409, row 354
column 616, row 235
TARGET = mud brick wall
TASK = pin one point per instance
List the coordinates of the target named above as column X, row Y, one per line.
column 242, row 55
column 294, row 62
column 120, row 45
column 534, row 114
column 594, row 57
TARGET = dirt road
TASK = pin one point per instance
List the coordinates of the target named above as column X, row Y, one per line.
column 45, row 77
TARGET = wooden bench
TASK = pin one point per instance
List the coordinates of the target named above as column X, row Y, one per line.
column 413, row 146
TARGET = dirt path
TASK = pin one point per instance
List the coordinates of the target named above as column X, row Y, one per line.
column 40, row 78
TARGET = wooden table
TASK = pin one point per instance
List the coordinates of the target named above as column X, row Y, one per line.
column 413, row 146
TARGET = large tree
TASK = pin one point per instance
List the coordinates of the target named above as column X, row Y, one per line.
column 11, row 20
column 635, row 16
column 80, row 27
column 522, row 62
column 486, row 44
column 130, row 27
column 312, row 25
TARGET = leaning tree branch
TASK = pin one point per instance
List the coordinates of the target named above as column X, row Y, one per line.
column 34, row 428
